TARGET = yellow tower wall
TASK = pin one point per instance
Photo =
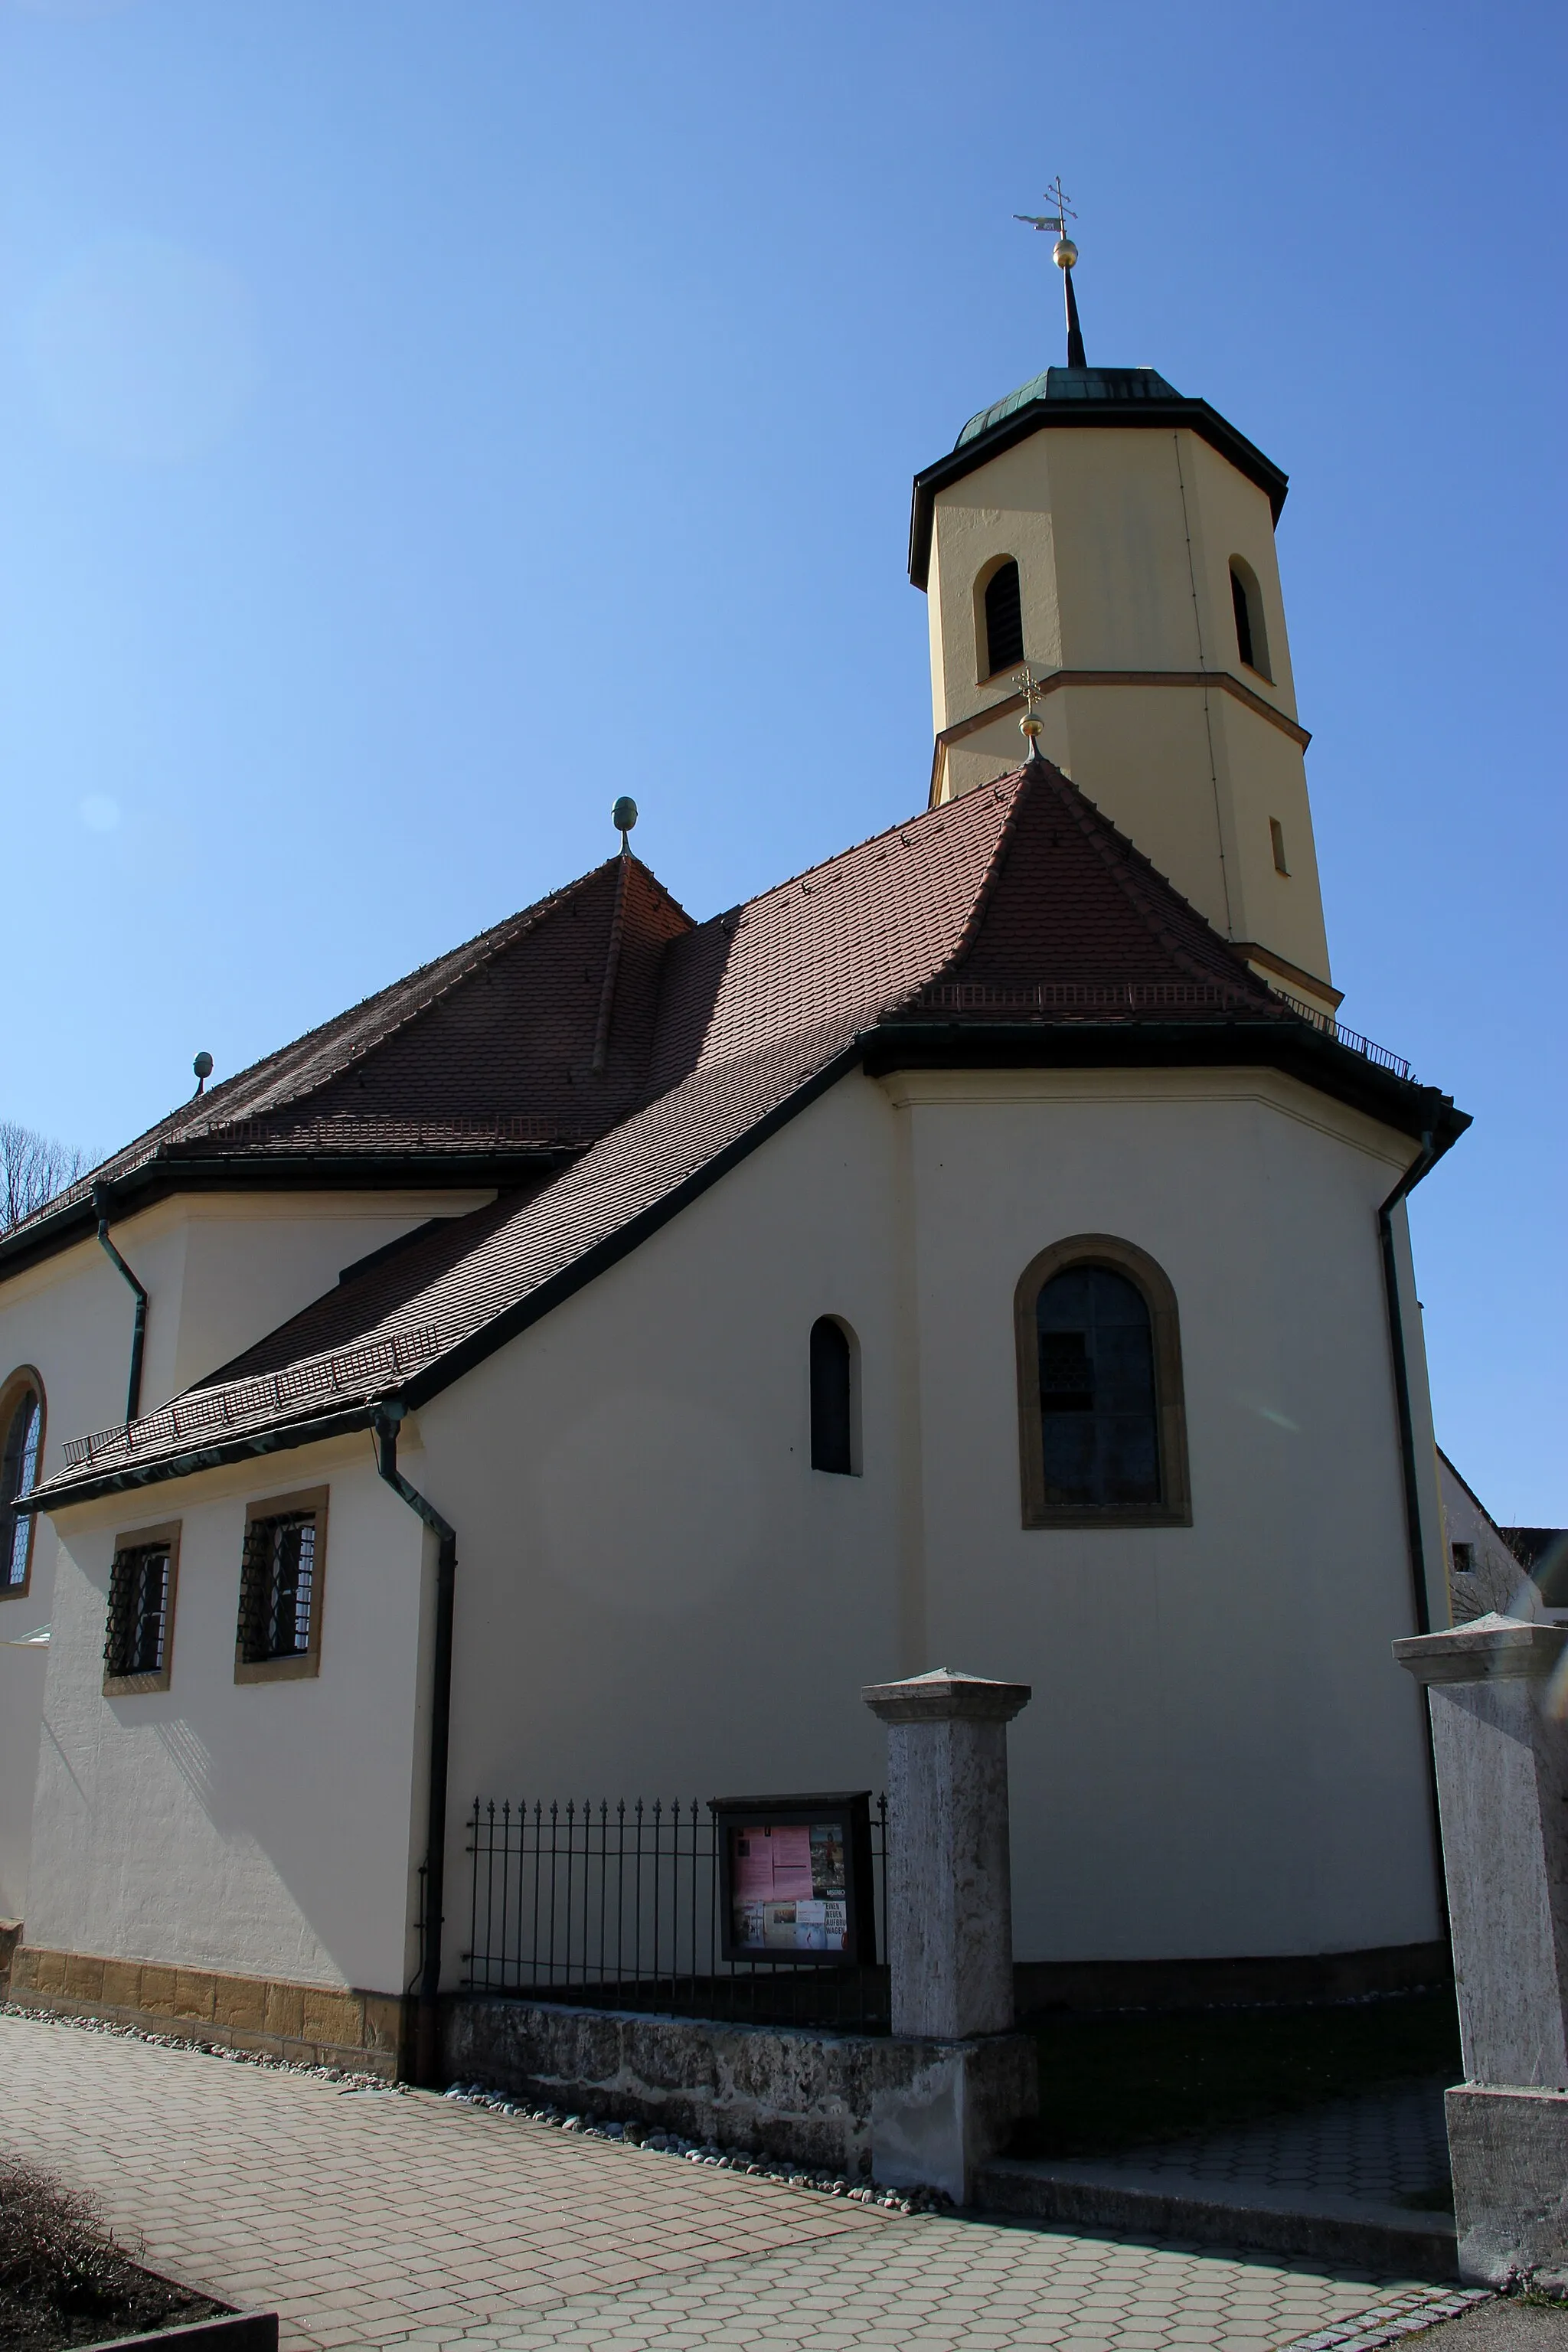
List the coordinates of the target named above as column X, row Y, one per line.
column 1124, row 539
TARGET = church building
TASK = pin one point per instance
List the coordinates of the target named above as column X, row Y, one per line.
column 580, row 1368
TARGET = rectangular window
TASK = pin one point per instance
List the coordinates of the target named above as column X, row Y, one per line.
column 280, row 1632
column 1464, row 1559
column 139, row 1639
column 1276, row 835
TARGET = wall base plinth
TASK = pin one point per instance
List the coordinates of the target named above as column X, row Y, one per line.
column 307, row 2025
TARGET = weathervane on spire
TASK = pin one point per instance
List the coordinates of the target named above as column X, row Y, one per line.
column 1029, row 687
column 1064, row 253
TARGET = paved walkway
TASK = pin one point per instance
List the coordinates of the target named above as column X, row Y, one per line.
column 368, row 2220
column 1387, row 2147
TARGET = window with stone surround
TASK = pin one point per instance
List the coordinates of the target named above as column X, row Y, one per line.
column 21, row 1452
column 139, row 1639
column 1101, row 1425
column 281, row 1585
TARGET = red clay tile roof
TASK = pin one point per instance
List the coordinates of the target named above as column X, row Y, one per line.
column 1018, row 902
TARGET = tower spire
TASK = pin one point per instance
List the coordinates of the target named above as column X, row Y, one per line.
column 1064, row 253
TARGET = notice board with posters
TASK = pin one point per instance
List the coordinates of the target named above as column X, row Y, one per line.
column 794, row 1878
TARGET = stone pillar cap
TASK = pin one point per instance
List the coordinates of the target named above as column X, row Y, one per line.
column 943, row 1696
column 1489, row 1648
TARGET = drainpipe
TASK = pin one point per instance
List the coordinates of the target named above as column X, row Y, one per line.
column 1419, row 1167
column 139, row 1328
column 426, row 2039
column 1423, row 1162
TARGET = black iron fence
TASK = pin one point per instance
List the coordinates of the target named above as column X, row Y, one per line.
column 617, row 1906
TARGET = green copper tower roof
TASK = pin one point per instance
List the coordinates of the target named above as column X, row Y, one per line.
column 1072, row 383
column 1129, row 398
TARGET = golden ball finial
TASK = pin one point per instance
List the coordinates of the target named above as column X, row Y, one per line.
column 1064, row 253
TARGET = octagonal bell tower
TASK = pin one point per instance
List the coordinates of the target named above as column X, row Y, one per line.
column 1119, row 539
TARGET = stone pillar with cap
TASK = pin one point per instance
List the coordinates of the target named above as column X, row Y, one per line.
column 1496, row 1689
column 949, row 1930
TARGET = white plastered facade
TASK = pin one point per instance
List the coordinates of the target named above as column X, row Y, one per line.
column 657, row 1595
column 221, row 1270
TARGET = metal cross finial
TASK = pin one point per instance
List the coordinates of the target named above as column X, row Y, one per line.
column 1029, row 687
column 1057, row 220
column 1064, row 253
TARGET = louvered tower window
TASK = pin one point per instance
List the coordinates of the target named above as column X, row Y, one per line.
column 1003, row 620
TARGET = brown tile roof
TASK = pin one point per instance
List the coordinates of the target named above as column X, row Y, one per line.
column 1019, row 904
column 488, row 1050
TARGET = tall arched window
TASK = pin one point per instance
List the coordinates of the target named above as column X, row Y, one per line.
column 21, row 1449
column 1247, row 603
column 1103, row 1438
column 1002, row 619
column 833, row 1399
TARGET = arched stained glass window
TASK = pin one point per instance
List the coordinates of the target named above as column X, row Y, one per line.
column 1101, row 1427
column 1098, row 1427
column 22, row 1423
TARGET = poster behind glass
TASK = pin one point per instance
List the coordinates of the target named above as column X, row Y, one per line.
column 795, row 1877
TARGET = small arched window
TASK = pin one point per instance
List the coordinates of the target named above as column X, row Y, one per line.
column 21, row 1450
column 834, row 1401
column 1247, row 603
column 1102, row 1428
column 1001, row 619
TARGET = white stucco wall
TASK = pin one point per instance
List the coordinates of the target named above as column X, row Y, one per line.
column 658, row 1596
column 221, row 1270
column 262, row 1829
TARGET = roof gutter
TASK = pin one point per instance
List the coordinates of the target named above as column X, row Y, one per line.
column 162, row 1466
column 385, row 1421
column 138, row 1326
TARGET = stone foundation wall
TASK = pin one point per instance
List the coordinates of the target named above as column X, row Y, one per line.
column 783, row 2090
column 311, row 2025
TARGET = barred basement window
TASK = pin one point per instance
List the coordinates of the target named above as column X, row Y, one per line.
column 139, row 1644
column 280, row 1632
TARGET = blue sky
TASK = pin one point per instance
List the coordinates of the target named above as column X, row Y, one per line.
column 422, row 420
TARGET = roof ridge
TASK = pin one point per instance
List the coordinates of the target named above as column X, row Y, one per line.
column 1020, row 780
column 902, row 825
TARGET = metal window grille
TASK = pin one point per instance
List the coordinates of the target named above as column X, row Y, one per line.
column 617, row 1906
column 278, row 1587
column 137, row 1641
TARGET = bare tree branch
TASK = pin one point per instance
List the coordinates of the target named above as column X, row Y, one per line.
column 33, row 1169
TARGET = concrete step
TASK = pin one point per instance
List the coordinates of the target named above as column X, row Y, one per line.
column 1167, row 2204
